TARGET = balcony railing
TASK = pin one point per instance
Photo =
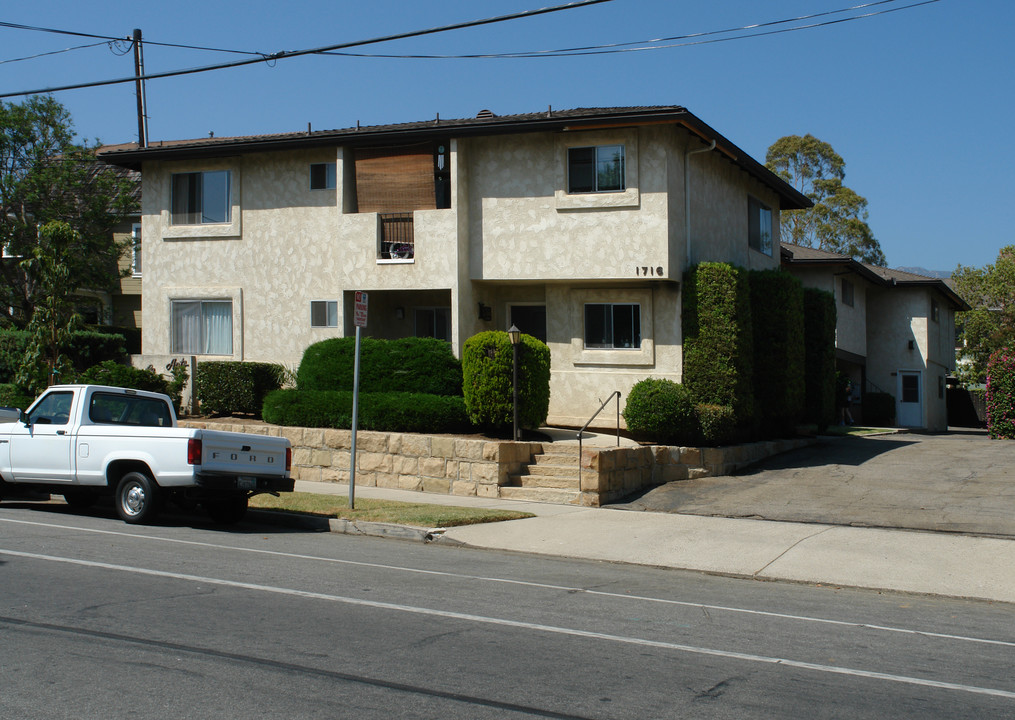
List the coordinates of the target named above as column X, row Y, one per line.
column 397, row 241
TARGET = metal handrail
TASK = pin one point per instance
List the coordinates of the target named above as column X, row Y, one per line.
column 586, row 425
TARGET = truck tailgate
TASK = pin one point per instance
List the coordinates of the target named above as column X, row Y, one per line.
column 241, row 454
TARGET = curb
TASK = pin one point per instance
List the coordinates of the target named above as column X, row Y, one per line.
column 347, row 527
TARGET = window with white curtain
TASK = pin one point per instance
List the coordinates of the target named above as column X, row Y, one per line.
column 135, row 258
column 202, row 327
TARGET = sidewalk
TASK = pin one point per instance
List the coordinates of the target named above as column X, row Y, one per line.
column 900, row 560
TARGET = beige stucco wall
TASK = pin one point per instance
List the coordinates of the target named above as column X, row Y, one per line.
column 850, row 322
column 903, row 315
column 511, row 236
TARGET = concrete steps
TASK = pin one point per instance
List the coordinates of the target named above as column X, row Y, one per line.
column 551, row 477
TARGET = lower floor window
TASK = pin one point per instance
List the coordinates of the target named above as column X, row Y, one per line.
column 324, row 313
column 612, row 326
column 202, row 327
column 434, row 322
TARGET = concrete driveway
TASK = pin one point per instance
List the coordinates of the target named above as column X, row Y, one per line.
column 955, row 482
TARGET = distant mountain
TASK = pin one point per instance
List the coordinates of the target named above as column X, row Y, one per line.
column 943, row 274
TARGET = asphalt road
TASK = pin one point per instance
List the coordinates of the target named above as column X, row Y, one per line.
column 959, row 481
column 182, row 620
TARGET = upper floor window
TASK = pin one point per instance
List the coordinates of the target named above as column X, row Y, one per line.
column 595, row 169
column 202, row 327
column 135, row 258
column 322, row 176
column 847, row 292
column 612, row 326
column 324, row 313
column 201, row 198
column 759, row 226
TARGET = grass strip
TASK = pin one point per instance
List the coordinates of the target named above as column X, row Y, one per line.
column 385, row 511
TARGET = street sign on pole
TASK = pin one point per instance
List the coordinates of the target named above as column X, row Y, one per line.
column 360, row 321
column 359, row 318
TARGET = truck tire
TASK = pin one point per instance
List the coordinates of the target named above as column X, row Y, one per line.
column 227, row 511
column 137, row 498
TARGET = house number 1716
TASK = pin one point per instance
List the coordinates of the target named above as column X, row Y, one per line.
column 645, row 271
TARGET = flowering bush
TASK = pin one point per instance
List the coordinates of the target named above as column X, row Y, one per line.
column 1001, row 394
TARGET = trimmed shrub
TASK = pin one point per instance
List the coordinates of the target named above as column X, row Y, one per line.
column 416, row 365
column 819, row 357
column 1001, row 395
column 878, row 409
column 385, row 412
column 487, row 380
column 718, row 343
column 227, row 388
column 661, row 411
column 718, row 424
column 116, row 374
column 777, row 313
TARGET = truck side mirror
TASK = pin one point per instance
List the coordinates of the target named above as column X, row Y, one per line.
column 9, row 414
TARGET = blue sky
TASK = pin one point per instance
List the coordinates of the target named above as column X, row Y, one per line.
column 918, row 102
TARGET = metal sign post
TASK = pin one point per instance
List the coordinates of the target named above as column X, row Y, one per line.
column 360, row 321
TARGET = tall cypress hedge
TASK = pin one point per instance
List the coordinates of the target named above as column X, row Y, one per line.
column 819, row 351
column 718, row 341
column 777, row 307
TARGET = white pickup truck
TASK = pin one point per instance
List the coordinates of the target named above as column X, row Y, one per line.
column 85, row 441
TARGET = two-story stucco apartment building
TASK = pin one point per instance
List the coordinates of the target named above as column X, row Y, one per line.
column 895, row 331
column 574, row 225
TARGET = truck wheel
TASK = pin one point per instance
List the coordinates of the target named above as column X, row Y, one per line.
column 227, row 511
column 80, row 499
column 137, row 498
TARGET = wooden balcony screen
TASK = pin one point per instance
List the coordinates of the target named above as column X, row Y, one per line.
column 398, row 179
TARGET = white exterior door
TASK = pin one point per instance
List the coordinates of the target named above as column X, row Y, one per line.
column 909, row 403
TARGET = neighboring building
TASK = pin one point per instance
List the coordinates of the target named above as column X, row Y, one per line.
column 574, row 225
column 895, row 331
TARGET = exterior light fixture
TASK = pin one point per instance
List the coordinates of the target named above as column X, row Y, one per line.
column 515, row 335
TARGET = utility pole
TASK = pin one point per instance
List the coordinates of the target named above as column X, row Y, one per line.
column 142, row 111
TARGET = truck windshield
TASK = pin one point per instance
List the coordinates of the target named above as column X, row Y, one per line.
column 107, row 408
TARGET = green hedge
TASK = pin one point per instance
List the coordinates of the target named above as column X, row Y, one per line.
column 487, row 380
column 1001, row 395
column 385, row 412
column 718, row 424
column 777, row 314
column 718, row 342
column 878, row 409
column 661, row 411
column 416, row 365
column 819, row 357
column 87, row 348
column 116, row 374
column 13, row 396
column 228, row 388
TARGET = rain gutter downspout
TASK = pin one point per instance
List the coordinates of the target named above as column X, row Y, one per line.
column 687, row 198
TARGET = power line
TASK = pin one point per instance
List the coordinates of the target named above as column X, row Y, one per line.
column 52, row 52
column 286, row 54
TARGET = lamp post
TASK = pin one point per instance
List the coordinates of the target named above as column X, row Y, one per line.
column 515, row 335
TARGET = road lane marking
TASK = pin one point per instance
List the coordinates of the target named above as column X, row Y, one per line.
column 541, row 586
column 535, row 627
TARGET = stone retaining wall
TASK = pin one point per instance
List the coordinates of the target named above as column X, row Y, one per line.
column 478, row 467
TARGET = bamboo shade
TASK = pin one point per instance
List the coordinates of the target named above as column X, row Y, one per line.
column 395, row 179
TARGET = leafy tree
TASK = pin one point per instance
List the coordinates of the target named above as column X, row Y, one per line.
column 44, row 177
column 54, row 320
column 838, row 221
column 990, row 325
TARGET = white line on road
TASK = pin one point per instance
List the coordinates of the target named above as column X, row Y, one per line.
column 467, row 617
column 526, row 583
